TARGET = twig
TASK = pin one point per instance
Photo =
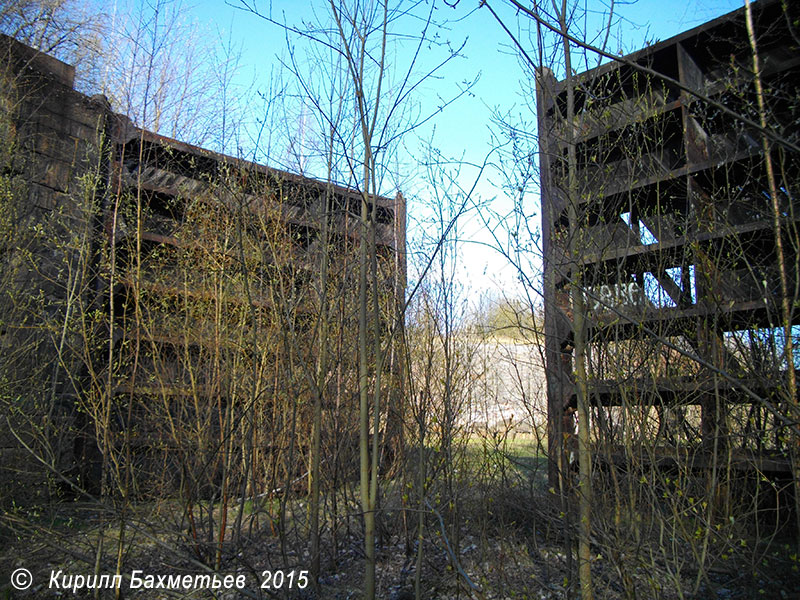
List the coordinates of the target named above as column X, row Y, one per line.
column 452, row 554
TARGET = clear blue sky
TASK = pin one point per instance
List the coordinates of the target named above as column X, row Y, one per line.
column 464, row 130
column 488, row 52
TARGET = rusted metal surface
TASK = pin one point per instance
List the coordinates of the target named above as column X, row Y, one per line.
column 164, row 222
column 680, row 270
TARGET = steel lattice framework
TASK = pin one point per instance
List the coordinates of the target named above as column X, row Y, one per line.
column 675, row 246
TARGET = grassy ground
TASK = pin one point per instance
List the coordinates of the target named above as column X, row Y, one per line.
column 493, row 531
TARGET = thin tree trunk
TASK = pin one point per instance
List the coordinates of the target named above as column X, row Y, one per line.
column 579, row 327
column 786, row 301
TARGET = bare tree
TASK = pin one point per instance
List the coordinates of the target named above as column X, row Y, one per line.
column 609, row 153
column 71, row 30
column 362, row 37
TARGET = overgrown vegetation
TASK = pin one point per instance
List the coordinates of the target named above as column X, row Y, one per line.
column 228, row 376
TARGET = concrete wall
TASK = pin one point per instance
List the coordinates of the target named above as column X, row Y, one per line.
column 72, row 171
